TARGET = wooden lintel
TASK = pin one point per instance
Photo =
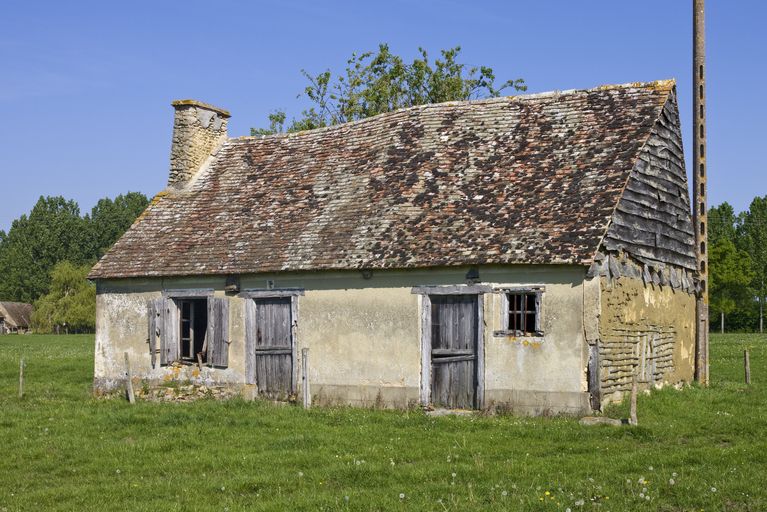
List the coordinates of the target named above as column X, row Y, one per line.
column 453, row 289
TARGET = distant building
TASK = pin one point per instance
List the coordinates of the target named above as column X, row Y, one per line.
column 530, row 252
column 15, row 317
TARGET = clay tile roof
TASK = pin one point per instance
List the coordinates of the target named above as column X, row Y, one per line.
column 16, row 314
column 525, row 179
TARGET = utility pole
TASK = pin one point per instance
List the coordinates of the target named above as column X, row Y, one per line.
column 700, row 208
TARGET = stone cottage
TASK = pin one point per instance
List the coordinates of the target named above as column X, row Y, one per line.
column 15, row 317
column 531, row 252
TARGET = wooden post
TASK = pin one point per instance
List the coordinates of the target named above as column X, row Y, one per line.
column 747, row 366
column 633, row 413
column 21, row 378
column 307, row 396
column 129, row 380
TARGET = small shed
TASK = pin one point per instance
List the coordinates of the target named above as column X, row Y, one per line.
column 15, row 317
column 532, row 253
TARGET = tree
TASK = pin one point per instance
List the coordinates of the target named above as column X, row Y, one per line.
column 71, row 302
column 753, row 231
column 109, row 219
column 730, row 276
column 53, row 231
column 374, row 83
column 722, row 223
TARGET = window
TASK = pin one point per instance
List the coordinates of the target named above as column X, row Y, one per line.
column 521, row 314
column 193, row 316
column 189, row 327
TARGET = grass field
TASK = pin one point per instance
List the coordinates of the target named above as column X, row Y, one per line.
column 61, row 449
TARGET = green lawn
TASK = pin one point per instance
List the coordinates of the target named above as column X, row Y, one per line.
column 63, row 450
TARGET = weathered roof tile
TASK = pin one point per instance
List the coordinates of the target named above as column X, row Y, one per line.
column 527, row 179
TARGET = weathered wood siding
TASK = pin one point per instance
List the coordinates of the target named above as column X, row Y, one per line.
column 652, row 221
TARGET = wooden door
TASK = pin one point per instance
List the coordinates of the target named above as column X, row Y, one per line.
column 274, row 347
column 454, row 333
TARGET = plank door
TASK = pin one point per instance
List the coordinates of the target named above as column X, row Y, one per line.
column 274, row 347
column 454, row 329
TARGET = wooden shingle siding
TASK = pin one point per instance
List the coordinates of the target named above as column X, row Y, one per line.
column 653, row 218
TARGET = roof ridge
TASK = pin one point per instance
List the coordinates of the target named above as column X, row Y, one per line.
column 664, row 84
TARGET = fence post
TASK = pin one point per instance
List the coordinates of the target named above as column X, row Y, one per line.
column 747, row 366
column 633, row 412
column 307, row 396
column 21, row 378
column 129, row 380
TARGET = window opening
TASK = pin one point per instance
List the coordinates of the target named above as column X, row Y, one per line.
column 193, row 328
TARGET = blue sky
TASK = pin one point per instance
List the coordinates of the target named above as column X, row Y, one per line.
column 85, row 87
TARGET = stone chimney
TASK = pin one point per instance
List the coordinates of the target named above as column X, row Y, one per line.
column 198, row 129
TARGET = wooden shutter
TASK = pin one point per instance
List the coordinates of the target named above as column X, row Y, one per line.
column 218, row 332
column 154, row 317
column 169, row 335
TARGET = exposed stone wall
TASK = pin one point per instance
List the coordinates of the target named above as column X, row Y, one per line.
column 198, row 130
column 646, row 328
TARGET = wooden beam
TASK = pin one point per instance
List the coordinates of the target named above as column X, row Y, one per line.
column 453, row 289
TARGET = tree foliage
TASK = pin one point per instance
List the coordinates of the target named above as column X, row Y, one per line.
column 730, row 276
column 738, row 264
column 753, row 238
column 53, row 232
column 377, row 82
column 71, row 302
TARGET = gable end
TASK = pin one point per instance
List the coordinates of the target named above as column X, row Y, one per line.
column 652, row 221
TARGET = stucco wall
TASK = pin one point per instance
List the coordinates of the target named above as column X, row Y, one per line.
column 364, row 336
column 632, row 313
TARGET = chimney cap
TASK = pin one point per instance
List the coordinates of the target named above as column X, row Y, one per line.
column 195, row 103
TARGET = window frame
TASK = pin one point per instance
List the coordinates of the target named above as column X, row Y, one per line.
column 505, row 330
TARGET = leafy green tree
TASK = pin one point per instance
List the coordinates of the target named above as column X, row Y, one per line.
column 110, row 218
column 71, row 303
column 377, row 82
column 753, row 231
column 729, row 278
column 53, row 231
column 722, row 223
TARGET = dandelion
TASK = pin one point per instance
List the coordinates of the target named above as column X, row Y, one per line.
column 580, row 503
column 346, row 499
column 300, row 474
column 674, row 474
column 647, row 497
column 117, row 471
column 504, row 493
column 568, row 509
column 453, row 475
column 402, row 495
column 641, row 495
column 713, row 489
column 650, row 468
column 547, row 493
column 671, row 481
column 223, row 488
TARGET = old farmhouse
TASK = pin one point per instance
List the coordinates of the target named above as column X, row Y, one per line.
column 15, row 317
column 530, row 252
